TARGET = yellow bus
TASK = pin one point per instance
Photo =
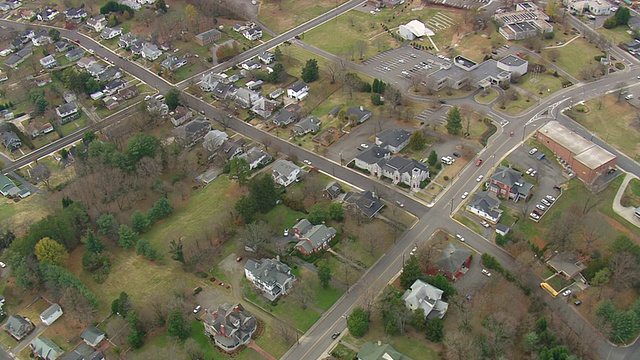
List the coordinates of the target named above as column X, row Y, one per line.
column 549, row 289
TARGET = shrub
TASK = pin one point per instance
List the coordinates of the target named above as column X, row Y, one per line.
column 197, row 290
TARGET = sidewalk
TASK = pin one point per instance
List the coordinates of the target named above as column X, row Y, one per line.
column 625, row 212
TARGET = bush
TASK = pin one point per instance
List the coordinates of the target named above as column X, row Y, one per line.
column 197, row 290
column 144, row 248
column 358, row 322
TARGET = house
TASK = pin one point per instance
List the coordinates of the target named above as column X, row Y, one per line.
column 207, row 37
column 404, row 170
column 264, row 107
column 485, row 205
column 214, row 139
column 239, row 27
column 284, row 118
column 232, row 148
column 93, row 336
column 367, row 202
column 26, row 14
column 74, row 54
column 393, row 140
column 310, row 124
column 246, row 98
column 371, row 159
column 150, row 51
column 11, row 141
column 41, row 38
column 266, row 57
column 333, row 190
column 361, row 114
column 256, row 157
column 285, row 172
column 47, row 14
column 16, row 59
column 3, row 76
column 18, row 327
column 193, row 131
column 111, row 103
column 110, row 73
column 42, row 80
column 158, row 106
column 414, row 29
column 507, row 182
column 67, row 112
column 181, row 116
column 566, row 264
column 173, row 62
column 61, row 45
column 127, row 39
column 426, row 297
column 270, row 276
column 114, row 85
column 83, row 352
column 43, row 348
column 379, row 351
column 502, row 229
column 253, row 33
column 51, row 314
column 454, row 261
column 127, row 93
column 109, row 33
column 76, row 14
column 313, row 238
column 97, row 23
column 85, row 62
column 48, row 62
column 334, row 112
column 230, row 326
column 299, row 91
column 251, row 65
column 7, row 188
column 96, row 69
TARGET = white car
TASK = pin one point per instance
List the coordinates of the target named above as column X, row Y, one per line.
column 533, row 173
column 401, row 61
column 91, row 51
column 459, row 237
column 147, row 98
column 2, row 265
column 529, row 171
column 533, row 151
column 534, row 216
column 541, row 207
column 364, row 146
column 550, row 198
column 545, row 202
column 159, row 97
column 286, row 232
column 484, row 223
column 413, row 251
column 486, row 272
column 465, row 194
column 480, row 178
column 307, row 162
column 197, row 308
column 566, row 292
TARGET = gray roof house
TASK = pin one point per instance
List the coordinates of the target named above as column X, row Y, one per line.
column 367, row 202
column 310, row 124
column 393, row 140
column 11, row 141
column 208, row 37
column 193, row 131
column 93, row 336
column 379, row 351
column 62, row 45
column 285, row 172
column 51, row 314
column 18, row 327
column 74, row 54
column 408, row 171
column 454, row 260
column 181, row 116
column 230, row 326
column 370, row 159
column 173, row 62
column 110, row 73
column 109, row 33
column 233, row 148
column 313, row 238
column 333, row 190
column 566, row 264
column 256, row 157
column 43, row 348
column 67, row 110
column 270, row 276
column 485, row 205
column 334, row 112
column 16, row 59
column 502, row 229
column 246, row 98
column 360, row 113
column 508, row 183
column 214, row 140
column 96, row 69
column 426, row 297
column 285, row 117
column 150, row 51
column 83, row 352
column 266, row 57
column 264, row 107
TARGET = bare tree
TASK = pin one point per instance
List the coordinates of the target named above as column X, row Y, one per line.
column 553, row 55
column 256, row 236
column 361, row 48
column 620, row 90
column 286, row 332
column 625, row 271
column 303, row 293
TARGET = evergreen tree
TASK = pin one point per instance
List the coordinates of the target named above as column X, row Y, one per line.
column 176, row 325
column 94, row 244
column 139, row 222
column 358, row 322
column 127, row 237
column 433, row 158
column 454, row 121
column 411, row 271
column 310, row 72
column 324, row 274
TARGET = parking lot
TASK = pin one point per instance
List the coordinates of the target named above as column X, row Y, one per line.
column 405, row 62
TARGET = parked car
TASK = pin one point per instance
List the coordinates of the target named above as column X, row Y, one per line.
column 529, row 171
column 533, row 151
column 400, row 204
column 2, row 265
column 541, row 207
column 413, row 251
column 147, row 98
column 459, row 237
column 307, row 162
column 578, row 303
column 486, row 272
column 335, row 335
column 456, row 154
column 566, row 292
column 286, row 232
column 159, row 97
column 197, row 308
column 533, row 173
column 534, row 216
column 480, row 178
column 545, row 202
column 364, row 146
column 479, row 162
column 484, row 223
column 465, row 194
column 550, row 198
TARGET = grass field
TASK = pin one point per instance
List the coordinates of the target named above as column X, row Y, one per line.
column 615, row 122
column 631, row 196
column 468, row 222
column 283, row 15
column 486, row 97
column 477, row 46
column 516, row 106
column 616, row 35
column 18, row 216
column 575, row 56
column 542, row 85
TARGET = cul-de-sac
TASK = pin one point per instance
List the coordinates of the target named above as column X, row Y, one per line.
column 320, row 179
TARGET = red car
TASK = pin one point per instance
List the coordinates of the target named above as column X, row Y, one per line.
column 479, row 162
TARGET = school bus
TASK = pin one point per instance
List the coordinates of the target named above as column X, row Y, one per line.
column 549, row 289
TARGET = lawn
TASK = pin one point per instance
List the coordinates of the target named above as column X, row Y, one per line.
column 575, row 56
column 541, row 85
column 468, row 222
column 283, row 15
column 616, row 35
column 615, row 122
column 281, row 217
column 631, row 196
column 486, row 97
column 18, row 216
column 364, row 243
column 205, row 206
column 477, row 46
column 515, row 107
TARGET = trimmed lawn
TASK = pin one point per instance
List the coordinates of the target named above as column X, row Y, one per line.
column 477, row 46
column 575, row 56
column 517, row 106
column 466, row 221
column 486, row 97
column 283, row 15
column 18, row 216
column 615, row 122
column 631, row 196
column 271, row 342
column 281, row 217
column 616, row 35
column 541, row 84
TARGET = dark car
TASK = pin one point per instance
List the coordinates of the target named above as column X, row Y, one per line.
column 578, row 303
column 456, row 154
column 335, row 335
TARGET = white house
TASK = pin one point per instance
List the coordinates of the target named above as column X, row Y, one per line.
column 48, row 61
column 267, row 57
column 298, row 91
column 109, row 33
column 426, row 297
column 51, row 314
column 285, row 172
column 253, row 33
column 97, row 23
column 270, row 276
column 93, row 336
column 150, row 51
column 485, row 205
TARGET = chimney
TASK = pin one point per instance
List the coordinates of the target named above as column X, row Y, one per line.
column 361, row 108
column 222, row 330
column 237, row 308
column 379, row 343
column 277, row 257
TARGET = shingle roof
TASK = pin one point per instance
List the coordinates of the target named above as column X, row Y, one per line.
column 452, row 257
